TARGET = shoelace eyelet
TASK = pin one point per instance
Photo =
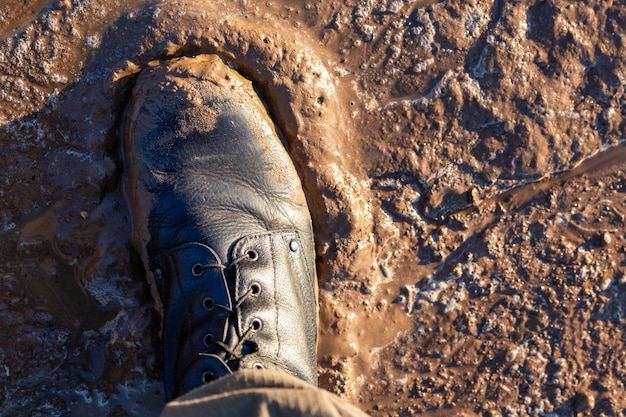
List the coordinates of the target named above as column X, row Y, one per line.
column 208, row 339
column 208, row 304
column 257, row 325
column 252, row 255
column 255, row 288
column 207, row 376
column 196, row 270
column 258, row 365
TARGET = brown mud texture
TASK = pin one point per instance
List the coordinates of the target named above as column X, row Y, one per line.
column 464, row 165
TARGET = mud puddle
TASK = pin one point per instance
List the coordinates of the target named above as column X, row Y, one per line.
column 468, row 264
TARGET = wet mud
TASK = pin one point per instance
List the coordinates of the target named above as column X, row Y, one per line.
column 463, row 162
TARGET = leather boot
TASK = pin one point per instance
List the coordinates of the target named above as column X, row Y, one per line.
column 221, row 222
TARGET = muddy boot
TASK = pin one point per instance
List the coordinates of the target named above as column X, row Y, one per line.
column 221, row 222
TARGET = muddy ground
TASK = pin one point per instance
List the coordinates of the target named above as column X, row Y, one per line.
column 464, row 164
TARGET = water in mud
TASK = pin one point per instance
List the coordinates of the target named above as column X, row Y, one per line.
column 463, row 161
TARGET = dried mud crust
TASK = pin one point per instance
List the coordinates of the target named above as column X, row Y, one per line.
column 463, row 160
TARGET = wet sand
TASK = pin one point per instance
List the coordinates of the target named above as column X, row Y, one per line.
column 463, row 161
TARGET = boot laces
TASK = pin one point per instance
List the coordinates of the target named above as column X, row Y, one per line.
column 234, row 351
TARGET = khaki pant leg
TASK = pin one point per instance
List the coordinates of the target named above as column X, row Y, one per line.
column 259, row 393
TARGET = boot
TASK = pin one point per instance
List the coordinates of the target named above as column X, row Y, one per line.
column 222, row 225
